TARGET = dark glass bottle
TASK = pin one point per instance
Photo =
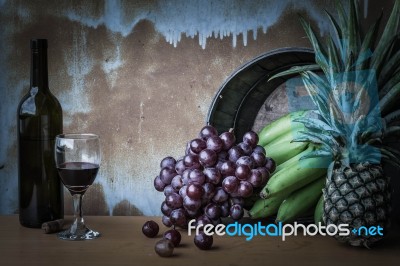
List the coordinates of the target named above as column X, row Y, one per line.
column 39, row 121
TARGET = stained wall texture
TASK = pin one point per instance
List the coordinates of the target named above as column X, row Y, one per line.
column 141, row 74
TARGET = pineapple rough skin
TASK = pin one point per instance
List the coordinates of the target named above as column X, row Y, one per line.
column 358, row 195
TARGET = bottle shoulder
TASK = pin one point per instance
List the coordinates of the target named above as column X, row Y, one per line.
column 38, row 102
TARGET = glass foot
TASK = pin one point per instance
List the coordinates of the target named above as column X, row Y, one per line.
column 84, row 234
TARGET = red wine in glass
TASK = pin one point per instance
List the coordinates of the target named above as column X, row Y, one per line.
column 77, row 176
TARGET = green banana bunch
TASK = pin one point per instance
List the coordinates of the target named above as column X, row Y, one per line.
column 300, row 201
column 293, row 180
column 279, row 127
column 263, row 208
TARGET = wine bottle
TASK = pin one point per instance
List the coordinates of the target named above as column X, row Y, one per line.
column 39, row 121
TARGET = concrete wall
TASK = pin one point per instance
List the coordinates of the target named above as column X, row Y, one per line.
column 141, row 74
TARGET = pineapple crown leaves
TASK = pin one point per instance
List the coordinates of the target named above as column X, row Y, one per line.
column 349, row 50
column 351, row 63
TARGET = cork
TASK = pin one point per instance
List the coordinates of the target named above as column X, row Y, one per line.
column 53, row 226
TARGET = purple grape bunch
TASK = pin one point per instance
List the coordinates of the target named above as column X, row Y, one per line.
column 212, row 179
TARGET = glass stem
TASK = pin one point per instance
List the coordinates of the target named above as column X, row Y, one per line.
column 78, row 217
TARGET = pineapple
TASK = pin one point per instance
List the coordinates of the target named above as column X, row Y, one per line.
column 355, row 86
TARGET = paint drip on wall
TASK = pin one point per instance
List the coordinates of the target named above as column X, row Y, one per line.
column 205, row 19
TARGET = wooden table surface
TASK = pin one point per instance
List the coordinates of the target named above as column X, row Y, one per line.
column 122, row 243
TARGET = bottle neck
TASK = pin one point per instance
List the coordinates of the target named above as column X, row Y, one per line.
column 39, row 72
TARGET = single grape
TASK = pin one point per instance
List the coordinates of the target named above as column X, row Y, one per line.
column 220, row 195
column 182, row 191
column 236, row 212
column 166, row 175
column 191, row 161
column 197, row 145
column 208, row 158
column 166, row 221
column 202, row 219
column 174, row 236
column 178, row 217
column 242, row 172
column 255, row 178
column 215, row 143
column 235, row 153
column 246, row 160
column 227, row 168
column 197, row 177
column 212, row 175
column 251, row 138
column 230, row 184
column 180, row 166
column 194, row 191
column 188, row 150
column 228, row 140
column 192, row 205
column 260, row 149
column 164, row 248
column 174, row 201
column 168, row 190
column 270, row 165
column 203, row 241
column 245, row 189
column 150, row 228
column 165, row 209
column 185, row 176
column 168, row 162
column 246, row 148
column 259, row 159
column 207, row 132
column 177, row 182
column 209, row 192
column 213, row 211
column 225, row 209
column 264, row 174
column 158, row 184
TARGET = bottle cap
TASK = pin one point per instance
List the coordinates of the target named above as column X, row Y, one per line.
column 38, row 43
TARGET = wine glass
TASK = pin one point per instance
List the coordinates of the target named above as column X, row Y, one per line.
column 77, row 159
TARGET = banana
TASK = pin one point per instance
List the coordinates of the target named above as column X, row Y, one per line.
column 294, row 159
column 264, row 208
column 293, row 177
column 286, row 137
column 319, row 211
column 280, row 126
column 283, row 151
column 300, row 201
